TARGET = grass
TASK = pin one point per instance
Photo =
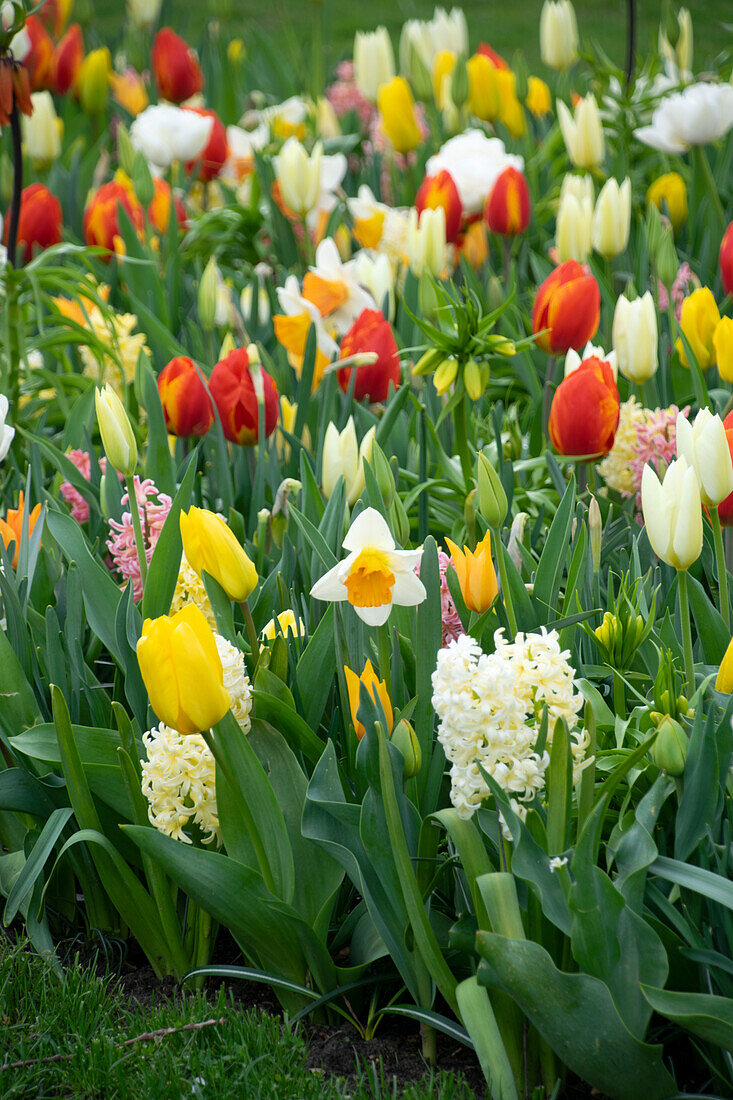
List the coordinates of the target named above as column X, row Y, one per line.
column 508, row 25
column 89, row 1019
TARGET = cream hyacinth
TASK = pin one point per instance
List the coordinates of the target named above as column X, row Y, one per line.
column 190, row 589
column 489, row 706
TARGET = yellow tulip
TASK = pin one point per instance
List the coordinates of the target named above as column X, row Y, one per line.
column 669, row 194
column 443, row 65
column 287, row 623
column 377, row 689
column 182, row 671
column 511, row 112
column 699, row 319
column 724, row 681
column 93, row 81
column 484, row 98
column 476, row 574
column 397, row 108
column 210, row 546
column 723, row 345
column 539, row 99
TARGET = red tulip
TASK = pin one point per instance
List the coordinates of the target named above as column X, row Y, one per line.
column 508, row 207
column 495, row 58
column 233, row 390
column 101, row 220
column 725, row 510
column 39, row 225
column 440, row 190
column 39, row 61
column 568, row 303
column 585, row 410
column 186, row 404
column 371, row 331
column 215, row 152
column 176, row 69
column 67, row 59
column 725, row 259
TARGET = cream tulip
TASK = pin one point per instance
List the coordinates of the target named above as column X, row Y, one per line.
column 612, row 218
column 574, row 225
column 344, row 458
column 582, row 132
column 42, row 131
column 558, row 34
column 426, row 244
column 672, row 513
column 705, row 448
column 299, row 175
column 636, row 338
column 373, row 61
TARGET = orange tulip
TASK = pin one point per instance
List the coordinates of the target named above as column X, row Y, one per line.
column 101, row 221
column 39, row 61
column 508, row 207
column 568, row 303
column 176, row 69
column 485, row 50
column 476, row 574
column 128, row 89
column 11, row 528
column 441, row 190
column 232, row 387
column 186, row 404
column 376, row 688
column 585, row 410
column 159, row 210
column 39, row 225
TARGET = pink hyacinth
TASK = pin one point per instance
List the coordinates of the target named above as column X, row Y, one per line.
column 680, row 290
column 121, row 543
column 656, row 442
column 452, row 625
column 72, row 496
column 344, row 96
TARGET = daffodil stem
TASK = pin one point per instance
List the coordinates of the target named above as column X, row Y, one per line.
column 249, row 626
column 721, row 567
column 504, row 576
column 704, row 164
column 137, row 528
column 686, row 632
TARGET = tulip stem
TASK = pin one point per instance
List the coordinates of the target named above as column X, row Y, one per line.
column 17, row 184
column 704, row 164
column 504, row 576
column 721, row 567
column 686, row 632
column 547, row 394
column 249, row 626
column 460, row 440
column 137, row 528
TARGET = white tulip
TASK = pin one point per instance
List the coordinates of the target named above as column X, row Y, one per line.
column 705, row 448
column 344, row 458
column 672, row 513
column 164, row 134
column 41, row 131
column 299, row 175
column 6, row 432
column 426, row 243
column 636, row 338
column 573, row 227
column 573, row 359
column 612, row 218
column 582, row 132
column 700, row 114
column 143, row 13
column 374, row 272
column 373, row 61
column 475, row 162
column 558, row 34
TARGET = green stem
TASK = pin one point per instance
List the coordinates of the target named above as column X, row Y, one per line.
column 619, row 695
column 249, row 626
column 686, row 632
column 721, row 567
column 137, row 528
column 547, row 393
column 704, row 164
column 504, row 577
column 460, row 441
column 385, row 665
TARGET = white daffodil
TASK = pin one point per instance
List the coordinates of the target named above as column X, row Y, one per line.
column 375, row 576
column 293, row 304
column 333, row 287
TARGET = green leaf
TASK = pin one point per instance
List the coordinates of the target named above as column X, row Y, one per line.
column 34, row 864
column 711, row 886
column 701, row 790
column 159, row 463
column 707, row 1016
column 318, row 654
column 552, row 563
column 575, row 1014
column 18, row 706
column 478, row 1016
column 166, row 560
column 559, row 790
column 712, row 632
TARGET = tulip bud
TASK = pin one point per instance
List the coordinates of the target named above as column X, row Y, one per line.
column 612, row 218
column 428, row 361
column 558, row 34
column 93, row 81
column 669, row 750
column 207, row 299
column 705, row 447
column 41, row 131
column 459, row 86
column 373, row 61
column 299, row 175
column 103, row 502
column 669, row 195
column 142, row 181
column 582, row 132
column 672, row 513
column 666, row 261
column 262, row 532
column 595, row 527
column 210, row 546
column 419, row 74
column 383, row 474
column 397, row 109
column 492, row 499
column 125, row 150
column 118, row 437
column 636, row 338
column 405, row 741
column 399, row 521
column 472, row 380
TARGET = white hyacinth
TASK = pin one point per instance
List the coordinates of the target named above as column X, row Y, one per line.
column 236, row 681
column 490, row 707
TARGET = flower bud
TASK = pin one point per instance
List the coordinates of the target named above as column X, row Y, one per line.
column 669, row 751
column 405, row 741
column 208, row 294
column 142, row 181
column 399, row 521
column 492, row 499
column 666, row 260
column 459, row 86
column 212, row 547
column 383, row 474
column 118, row 437
column 635, row 338
column 93, row 81
column 445, row 375
column 669, row 195
column 472, row 380
column 428, row 361
column 595, row 527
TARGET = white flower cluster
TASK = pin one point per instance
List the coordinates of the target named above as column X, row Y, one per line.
column 179, row 784
column 179, row 775
column 490, row 707
column 190, row 589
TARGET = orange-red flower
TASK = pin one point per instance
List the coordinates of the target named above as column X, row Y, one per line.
column 496, row 59
column 15, row 88
column 128, row 89
column 215, row 152
column 55, row 14
column 371, row 331
column 39, row 225
column 186, row 404
column 725, row 510
column 725, row 259
column 474, row 244
column 568, row 304
column 39, row 60
column 159, row 210
column 508, row 207
column 176, row 69
column 585, row 410
column 67, row 59
column 232, row 387
column 11, row 528
column 441, row 190
column 101, row 216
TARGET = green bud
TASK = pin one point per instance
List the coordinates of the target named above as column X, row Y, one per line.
column 399, row 522
column 595, row 528
column 667, row 261
column 278, row 656
column 208, row 294
column 427, row 362
column 521, row 75
column 405, row 740
column 383, row 474
column 472, row 380
column 103, row 502
column 653, row 228
column 142, row 180
column 669, row 751
column 492, row 501
column 495, row 292
column 459, row 82
column 420, row 75
column 125, row 151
